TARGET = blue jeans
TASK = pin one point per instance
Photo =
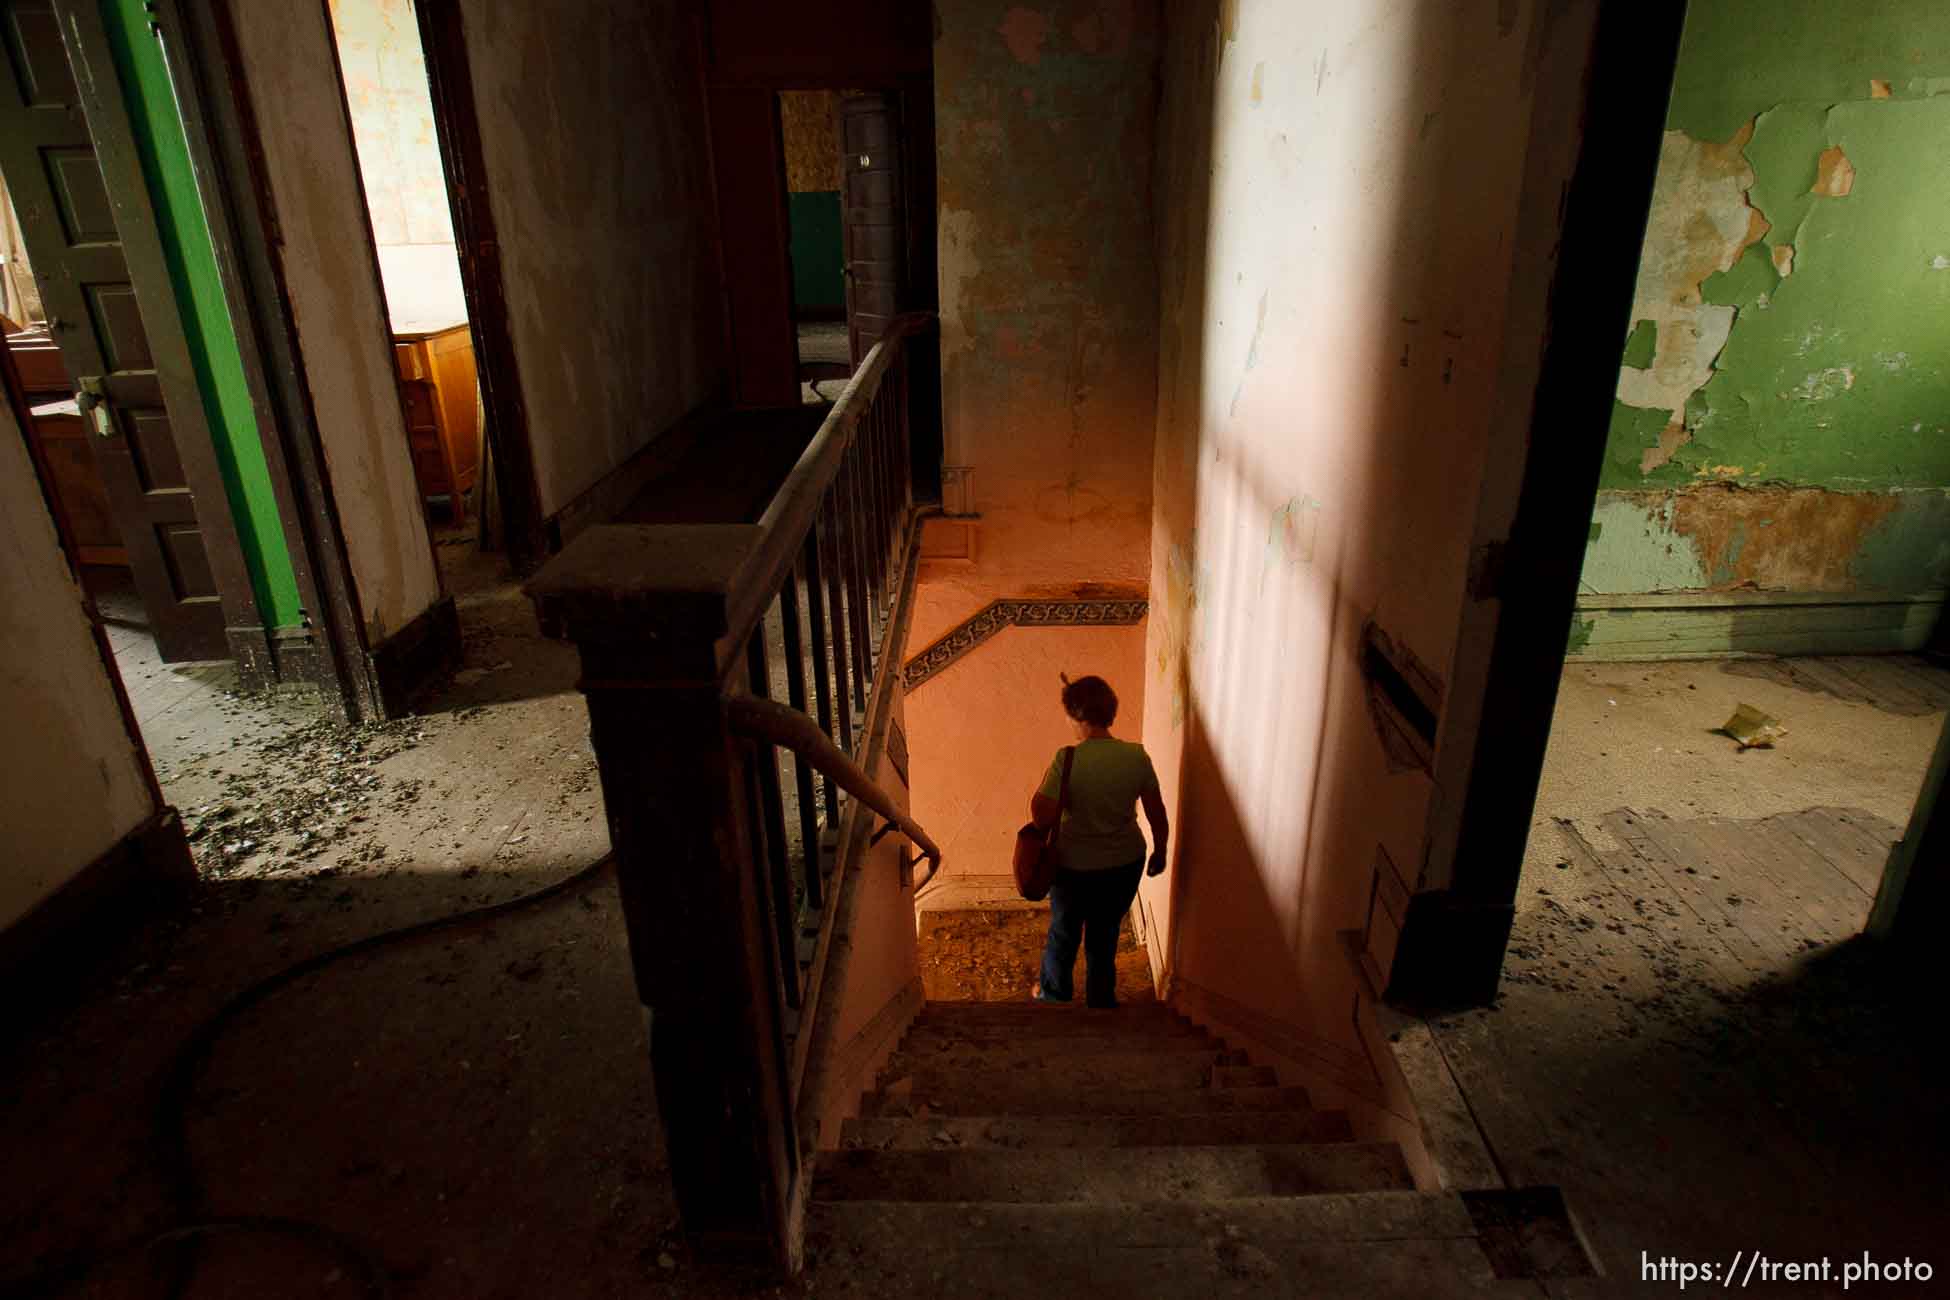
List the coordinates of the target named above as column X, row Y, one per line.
column 1087, row 908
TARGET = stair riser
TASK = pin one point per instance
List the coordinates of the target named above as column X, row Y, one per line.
column 1085, row 1075
column 1045, row 1013
column 1130, row 1175
column 1052, row 1056
column 1003, row 1093
column 1014, row 1133
column 983, row 1227
column 1443, row 1269
column 1163, row 1039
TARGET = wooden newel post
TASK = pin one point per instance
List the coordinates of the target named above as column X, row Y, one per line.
column 648, row 609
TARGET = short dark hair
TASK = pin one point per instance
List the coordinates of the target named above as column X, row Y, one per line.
column 1091, row 700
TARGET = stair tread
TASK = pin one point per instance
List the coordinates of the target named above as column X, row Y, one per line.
column 1121, row 1175
column 1447, row 1269
column 1052, row 1014
column 917, row 1045
column 1086, row 1152
column 1005, row 1035
column 1053, row 1132
column 1007, row 1093
column 1079, row 1074
column 1325, row 1217
column 1045, row 1057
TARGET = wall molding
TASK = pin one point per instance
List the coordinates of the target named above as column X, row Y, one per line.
column 1327, row 1062
column 1734, row 624
column 92, row 911
column 973, row 631
column 849, row 1071
column 412, row 658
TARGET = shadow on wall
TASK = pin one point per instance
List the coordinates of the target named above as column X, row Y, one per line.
column 1334, row 269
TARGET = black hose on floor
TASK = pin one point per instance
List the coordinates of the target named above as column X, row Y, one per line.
column 171, row 1138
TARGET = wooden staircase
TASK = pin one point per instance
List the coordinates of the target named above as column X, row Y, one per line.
column 1021, row 1149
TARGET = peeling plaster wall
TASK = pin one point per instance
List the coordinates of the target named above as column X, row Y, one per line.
column 71, row 779
column 592, row 127
column 1783, row 414
column 399, row 157
column 339, row 310
column 1339, row 197
column 1045, row 124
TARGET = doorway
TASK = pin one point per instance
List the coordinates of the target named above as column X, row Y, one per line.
column 809, row 129
column 119, row 342
column 389, row 101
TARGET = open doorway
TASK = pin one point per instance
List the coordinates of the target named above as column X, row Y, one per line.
column 389, row 101
column 1755, row 541
column 809, row 129
column 122, row 367
column 1747, row 708
column 106, row 363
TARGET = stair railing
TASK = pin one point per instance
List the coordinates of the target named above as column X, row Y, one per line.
column 738, row 679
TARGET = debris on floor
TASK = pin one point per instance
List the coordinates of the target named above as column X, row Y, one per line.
column 1752, row 728
column 992, row 955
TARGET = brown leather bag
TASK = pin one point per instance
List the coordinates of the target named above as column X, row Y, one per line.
column 1037, row 853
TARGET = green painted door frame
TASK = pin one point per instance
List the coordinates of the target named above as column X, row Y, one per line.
column 163, row 147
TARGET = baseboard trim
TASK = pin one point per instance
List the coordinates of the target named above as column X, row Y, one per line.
column 81, row 920
column 1736, row 624
column 1342, row 1067
column 841, row 1078
column 406, row 662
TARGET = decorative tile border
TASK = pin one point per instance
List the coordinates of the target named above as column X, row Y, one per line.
column 996, row 615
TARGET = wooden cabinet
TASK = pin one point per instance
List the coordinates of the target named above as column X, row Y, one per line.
column 61, row 438
column 438, row 390
column 60, row 446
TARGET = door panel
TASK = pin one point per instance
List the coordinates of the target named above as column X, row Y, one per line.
column 872, row 211
column 112, row 312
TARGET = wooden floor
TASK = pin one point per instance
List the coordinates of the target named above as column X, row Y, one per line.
column 182, row 710
column 1693, row 1038
column 1908, row 685
column 1721, row 902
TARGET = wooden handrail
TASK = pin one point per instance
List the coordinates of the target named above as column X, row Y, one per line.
column 780, row 724
column 795, row 506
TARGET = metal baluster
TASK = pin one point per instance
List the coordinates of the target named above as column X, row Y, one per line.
column 882, row 505
column 896, row 512
column 795, row 694
column 838, row 650
column 771, row 803
column 852, row 573
column 869, row 571
column 822, row 658
column 876, row 496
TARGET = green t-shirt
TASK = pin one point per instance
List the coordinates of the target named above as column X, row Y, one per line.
column 1100, row 829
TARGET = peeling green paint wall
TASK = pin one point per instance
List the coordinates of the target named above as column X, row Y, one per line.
column 1816, row 209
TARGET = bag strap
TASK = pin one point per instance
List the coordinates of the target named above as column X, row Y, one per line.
column 1063, row 793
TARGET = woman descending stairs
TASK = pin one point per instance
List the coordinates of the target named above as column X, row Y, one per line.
column 1022, row 1150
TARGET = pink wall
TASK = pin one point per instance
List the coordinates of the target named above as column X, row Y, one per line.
column 982, row 732
column 872, row 984
column 1339, row 205
column 1045, row 120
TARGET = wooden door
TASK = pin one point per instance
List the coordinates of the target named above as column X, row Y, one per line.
column 871, row 226
column 70, row 163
